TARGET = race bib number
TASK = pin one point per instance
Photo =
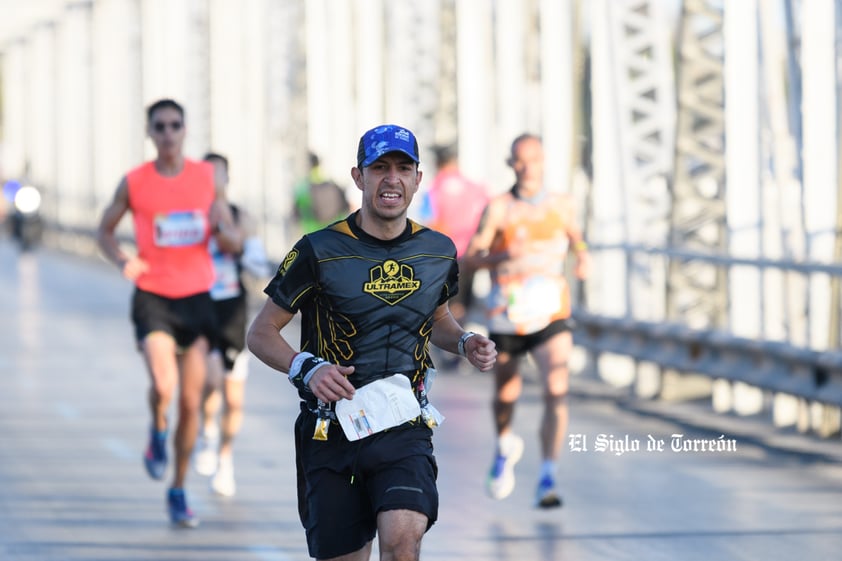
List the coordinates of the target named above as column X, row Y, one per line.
column 377, row 406
column 181, row 228
column 535, row 299
column 226, row 283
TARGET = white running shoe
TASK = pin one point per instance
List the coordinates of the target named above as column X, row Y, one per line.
column 501, row 477
column 206, row 455
column 223, row 482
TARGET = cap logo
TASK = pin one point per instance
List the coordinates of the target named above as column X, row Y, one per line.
column 402, row 134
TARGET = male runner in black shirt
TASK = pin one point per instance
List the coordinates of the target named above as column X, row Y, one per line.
column 372, row 291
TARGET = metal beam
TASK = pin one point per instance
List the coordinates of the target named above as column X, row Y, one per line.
column 696, row 293
column 645, row 97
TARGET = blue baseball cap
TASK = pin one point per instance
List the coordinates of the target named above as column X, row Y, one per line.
column 384, row 139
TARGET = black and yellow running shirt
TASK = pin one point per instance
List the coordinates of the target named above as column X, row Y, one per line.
column 367, row 302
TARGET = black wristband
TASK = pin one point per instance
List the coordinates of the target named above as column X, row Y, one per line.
column 302, row 376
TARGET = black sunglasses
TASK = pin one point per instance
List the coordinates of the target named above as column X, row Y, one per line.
column 161, row 126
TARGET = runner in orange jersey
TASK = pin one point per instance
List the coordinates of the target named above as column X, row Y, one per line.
column 523, row 239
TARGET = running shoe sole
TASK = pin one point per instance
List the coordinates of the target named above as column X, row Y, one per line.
column 549, row 499
column 189, row 523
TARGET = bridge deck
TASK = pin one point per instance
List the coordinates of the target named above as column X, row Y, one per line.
column 73, row 422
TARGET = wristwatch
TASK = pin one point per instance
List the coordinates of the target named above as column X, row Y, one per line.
column 462, row 340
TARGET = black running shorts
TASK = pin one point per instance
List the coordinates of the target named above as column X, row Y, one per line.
column 231, row 320
column 521, row 344
column 184, row 318
column 342, row 485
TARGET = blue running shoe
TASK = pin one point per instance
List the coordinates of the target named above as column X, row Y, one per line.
column 155, row 457
column 180, row 513
column 546, row 495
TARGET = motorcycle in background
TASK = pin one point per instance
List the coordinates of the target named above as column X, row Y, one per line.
column 26, row 222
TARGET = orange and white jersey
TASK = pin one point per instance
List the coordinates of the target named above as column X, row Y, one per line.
column 529, row 291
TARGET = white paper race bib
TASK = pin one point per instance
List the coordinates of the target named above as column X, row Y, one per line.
column 226, row 284
column 536, row 299
column 177, row 229
column 378, row 406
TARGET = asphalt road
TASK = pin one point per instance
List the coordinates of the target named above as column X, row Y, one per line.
column 73, row 422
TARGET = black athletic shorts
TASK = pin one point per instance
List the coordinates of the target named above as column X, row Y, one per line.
column 231, row 321
column 342, row 485
column 184, row 318
column 521, row 344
